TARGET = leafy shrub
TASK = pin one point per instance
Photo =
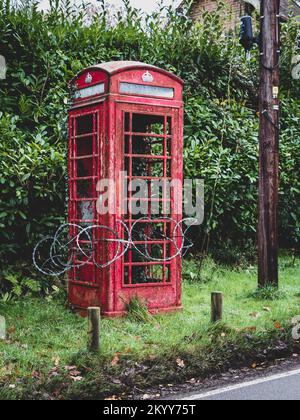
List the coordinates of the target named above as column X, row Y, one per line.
column 18, row 281
column 45, row 50
column 30, row 172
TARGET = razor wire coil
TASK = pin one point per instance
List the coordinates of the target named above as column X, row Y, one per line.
column 74, row 246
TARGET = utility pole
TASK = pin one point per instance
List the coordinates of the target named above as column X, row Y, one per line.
column 269, row 144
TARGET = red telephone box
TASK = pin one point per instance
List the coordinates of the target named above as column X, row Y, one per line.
column 126, row 117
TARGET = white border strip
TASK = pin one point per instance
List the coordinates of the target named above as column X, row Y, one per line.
column 241, row 386
column 146, row 90
column 90, row 91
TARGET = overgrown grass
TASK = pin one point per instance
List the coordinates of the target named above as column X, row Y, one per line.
column 46, row 335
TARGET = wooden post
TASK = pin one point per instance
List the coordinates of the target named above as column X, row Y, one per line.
column 2, row 328
column 94, row 330
column 216, row 306
column 269, row 144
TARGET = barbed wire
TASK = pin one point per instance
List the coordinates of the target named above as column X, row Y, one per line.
column 74, row 246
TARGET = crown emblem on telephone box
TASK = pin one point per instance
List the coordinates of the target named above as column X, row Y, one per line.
column 89, row 78
column 147, row 77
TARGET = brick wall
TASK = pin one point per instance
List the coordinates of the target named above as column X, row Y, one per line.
column 235, row 9
column 289, row 6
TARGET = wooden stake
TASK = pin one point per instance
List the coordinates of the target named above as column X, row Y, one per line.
column 216, row 306
column 94, row 330
column 269, row 144
column 2, row 328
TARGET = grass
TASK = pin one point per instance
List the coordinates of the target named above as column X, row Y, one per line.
column 44, row 336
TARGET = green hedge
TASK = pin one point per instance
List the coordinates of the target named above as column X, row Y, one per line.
column 44, row 51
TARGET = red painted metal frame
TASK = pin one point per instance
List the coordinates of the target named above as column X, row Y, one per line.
column 109, row 288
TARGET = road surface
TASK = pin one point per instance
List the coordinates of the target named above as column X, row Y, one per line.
column 283, row 387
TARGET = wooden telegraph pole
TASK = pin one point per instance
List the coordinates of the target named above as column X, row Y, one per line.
column 269, row 144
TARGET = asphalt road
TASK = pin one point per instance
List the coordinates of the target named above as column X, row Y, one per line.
column 280, row 387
